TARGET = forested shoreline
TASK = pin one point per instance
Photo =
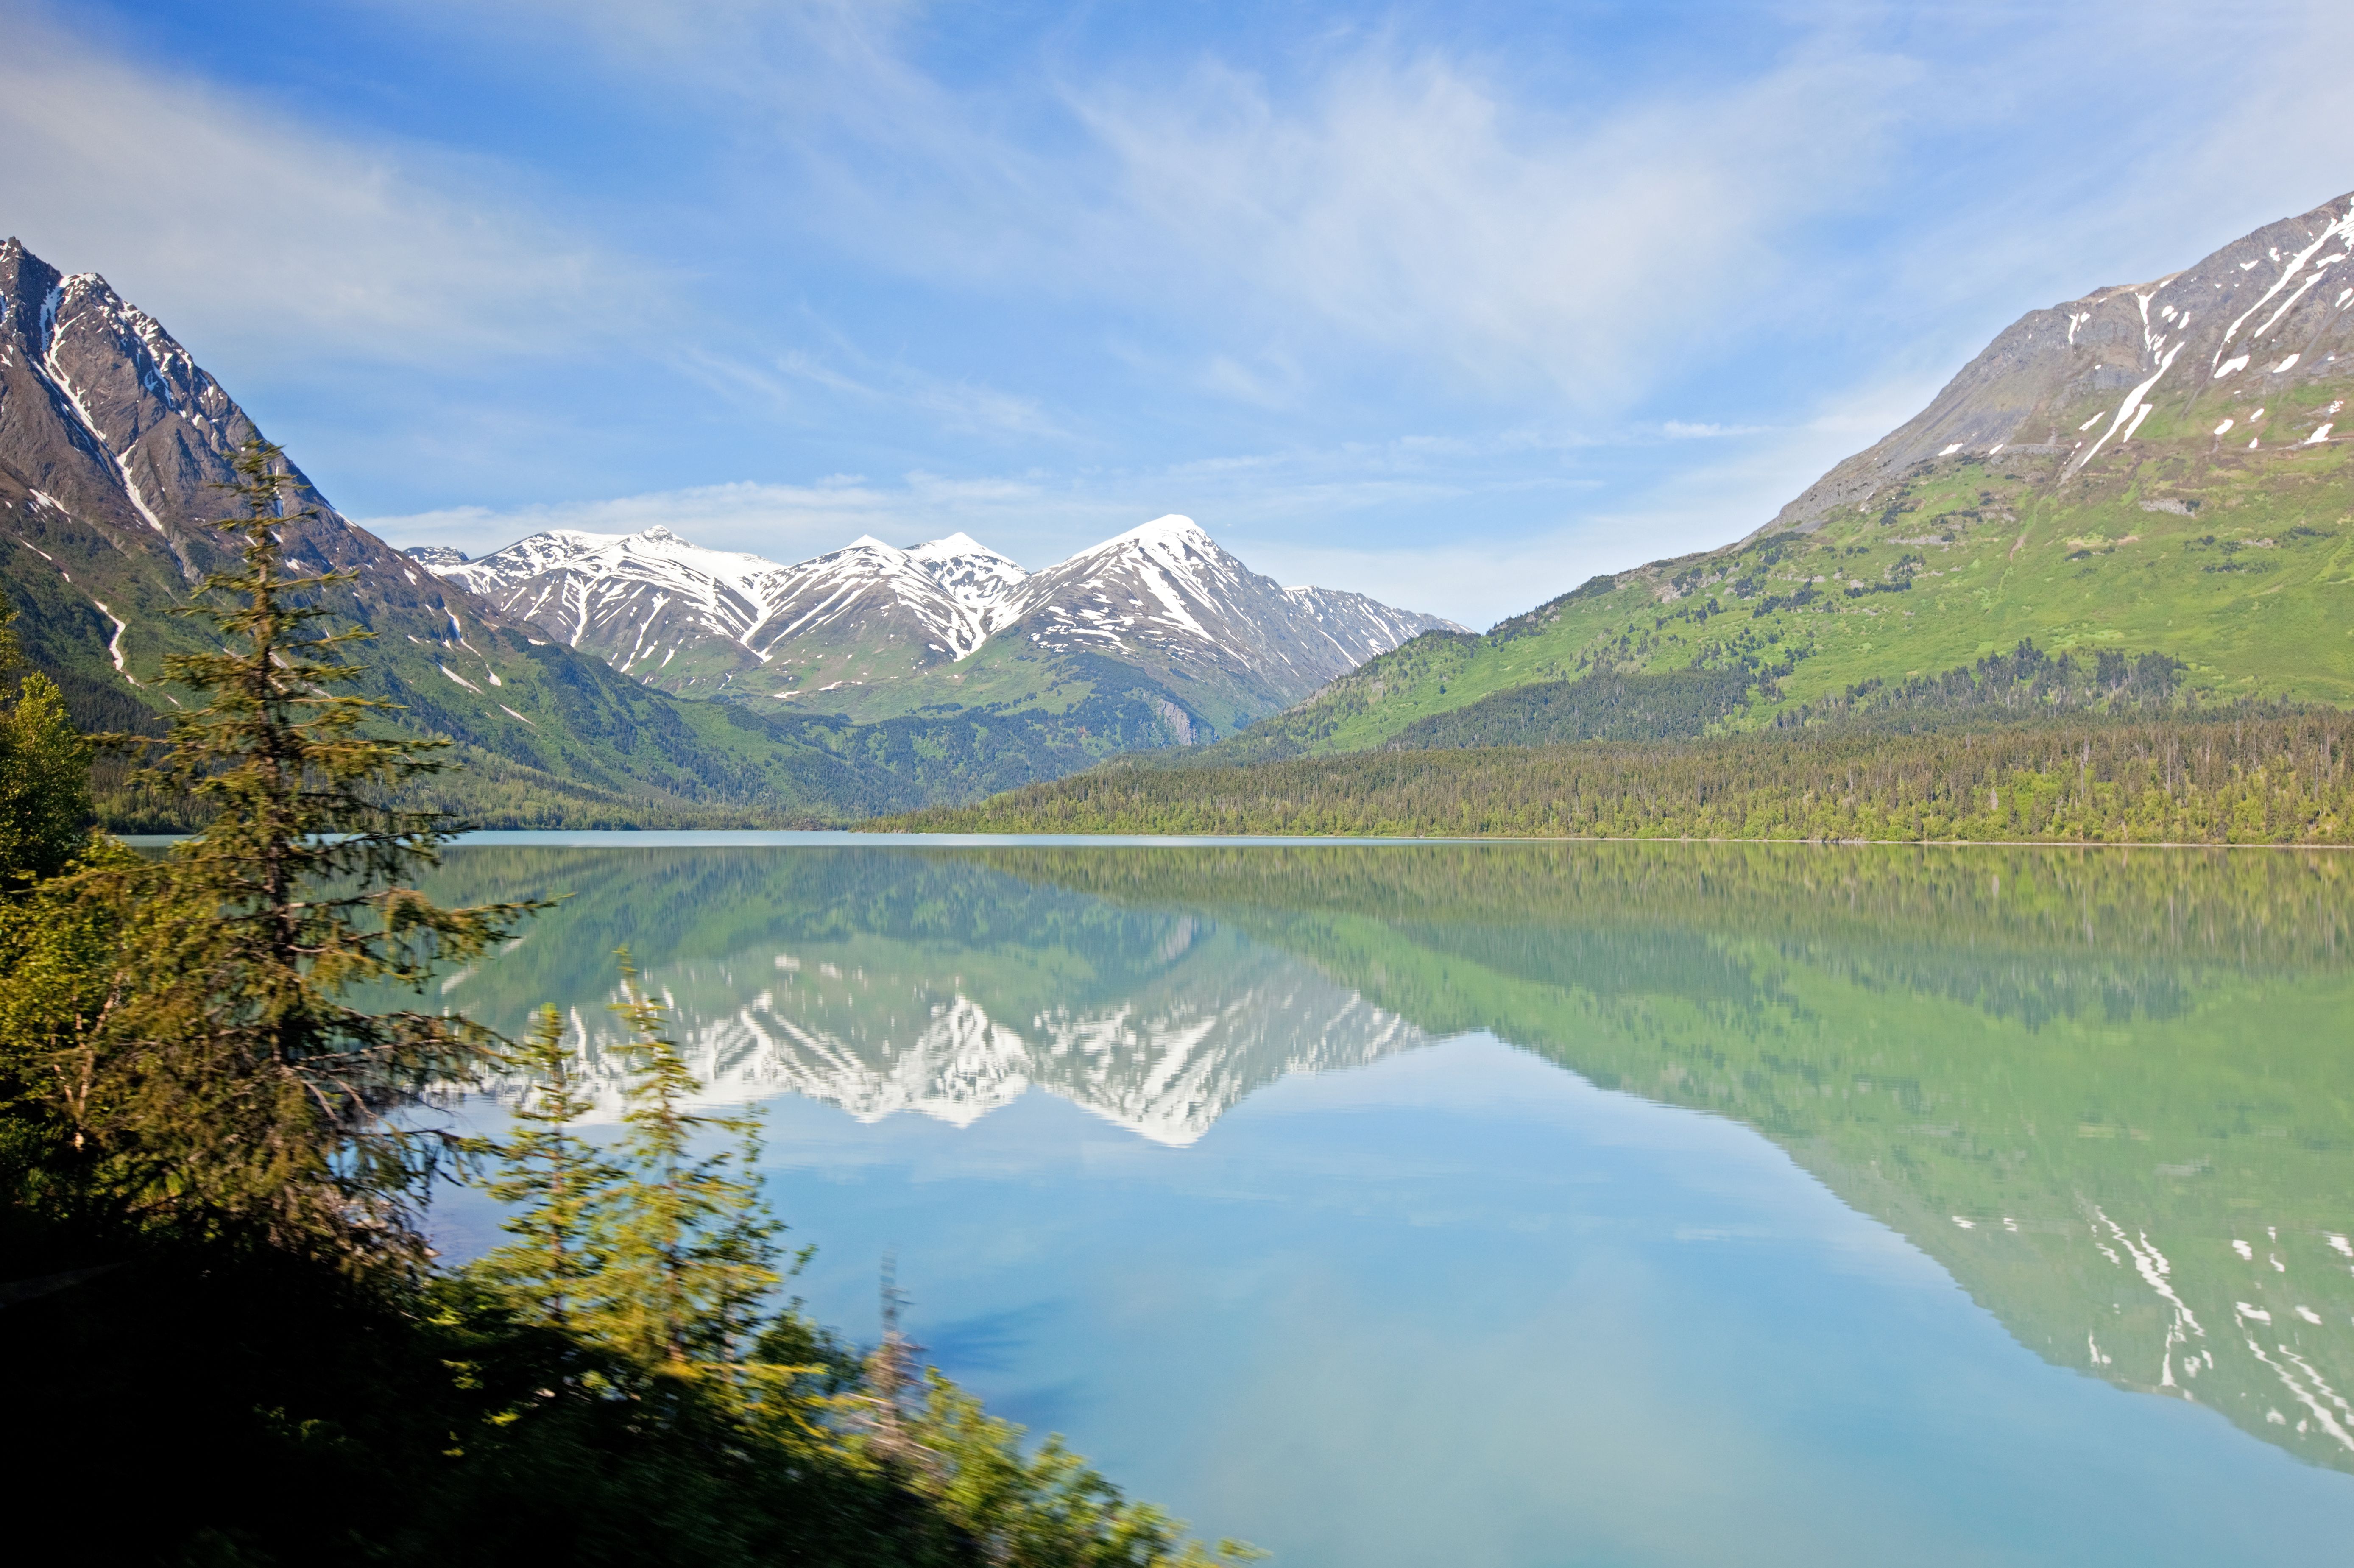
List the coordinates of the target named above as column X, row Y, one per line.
column 234, row 1345
column 2256, row 778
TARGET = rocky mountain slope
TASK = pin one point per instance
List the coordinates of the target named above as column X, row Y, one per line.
column 2160, row 469
column 872, row 630
column 1226, row 643
column 113, row 440
column 2233, row 340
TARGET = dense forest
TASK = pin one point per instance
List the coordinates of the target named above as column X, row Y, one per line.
column 233, row 1342
column 2255, row 777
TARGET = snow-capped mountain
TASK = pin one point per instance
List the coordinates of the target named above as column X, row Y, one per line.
column 698, row 621
column 970, row 573
column 115, row 446
column 861, row 629
column 1166, row 596
column 2225, row 342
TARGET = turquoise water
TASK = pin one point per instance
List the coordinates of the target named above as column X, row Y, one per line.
column 1520, row 1205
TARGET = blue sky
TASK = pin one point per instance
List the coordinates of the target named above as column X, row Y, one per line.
column 1456, row 304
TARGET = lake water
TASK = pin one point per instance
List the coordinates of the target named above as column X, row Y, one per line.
column 1505, row 1206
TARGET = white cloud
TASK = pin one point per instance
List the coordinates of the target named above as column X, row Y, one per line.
column 246, row 231
column 1412, row 206
column 1679, row 431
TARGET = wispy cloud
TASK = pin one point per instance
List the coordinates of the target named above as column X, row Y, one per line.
column 802, row 386
column 1390, row 204
column 1409, row 204
column 249, row 231
column 1454, row 309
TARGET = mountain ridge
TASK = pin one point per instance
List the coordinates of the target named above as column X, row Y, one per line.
column 2010, row 389
column 875, row 631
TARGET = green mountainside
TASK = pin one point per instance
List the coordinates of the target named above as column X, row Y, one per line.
column 1157, row 637
column 113, row 446
column 2238, row 564
column 542, row 736
column 2135, row 507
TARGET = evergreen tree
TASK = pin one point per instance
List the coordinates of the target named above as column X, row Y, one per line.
column 197, row 1111
column 558, row 1176
column 688, row 1246
column 44, row 775
column 249, row 1092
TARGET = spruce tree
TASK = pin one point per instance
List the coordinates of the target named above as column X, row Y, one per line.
column 557, row 1176
column 252, row 1093
column 44, row 774
column 688, row 1243
column 52, row 949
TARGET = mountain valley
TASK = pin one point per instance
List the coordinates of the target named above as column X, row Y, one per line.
column 2137, row 499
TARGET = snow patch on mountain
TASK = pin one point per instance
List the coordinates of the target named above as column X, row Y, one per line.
column 630, row 597
column 2049, row 381
column 1163, row 592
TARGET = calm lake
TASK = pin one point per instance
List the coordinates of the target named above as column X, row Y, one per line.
column 1503, row 1206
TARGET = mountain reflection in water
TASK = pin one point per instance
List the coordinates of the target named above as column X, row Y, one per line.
column 2109, row 1094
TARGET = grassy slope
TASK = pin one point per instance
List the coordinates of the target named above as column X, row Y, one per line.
column 2251, row 589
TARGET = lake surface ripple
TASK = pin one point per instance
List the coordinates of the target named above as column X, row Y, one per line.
column 1517, row 1205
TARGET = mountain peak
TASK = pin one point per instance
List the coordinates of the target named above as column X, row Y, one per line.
column 1172, row 526
column 2249, row 324
column 956, row 545
column 656, row 532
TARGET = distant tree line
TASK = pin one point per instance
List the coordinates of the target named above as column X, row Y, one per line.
column 231, row 1344
column 2257, row 778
